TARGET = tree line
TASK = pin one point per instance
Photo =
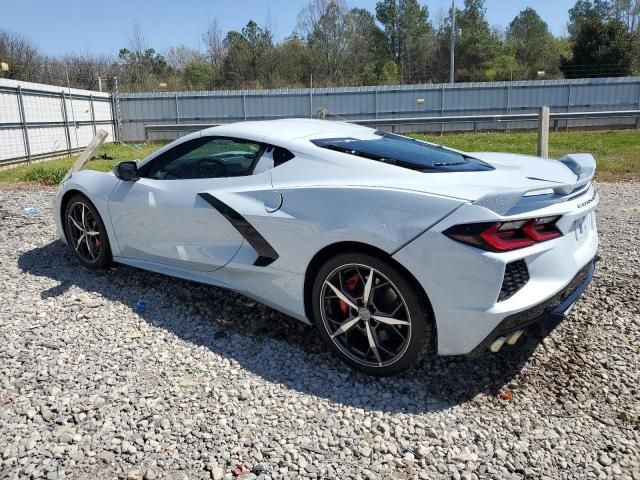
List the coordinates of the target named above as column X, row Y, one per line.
column 334, row 45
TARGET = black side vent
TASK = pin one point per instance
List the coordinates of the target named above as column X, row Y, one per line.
column 516, row 275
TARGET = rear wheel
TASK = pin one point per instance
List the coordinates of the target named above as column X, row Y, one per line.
column 371, row 314
column 86, row 233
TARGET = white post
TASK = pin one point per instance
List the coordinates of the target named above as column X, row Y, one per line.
column 543, row 132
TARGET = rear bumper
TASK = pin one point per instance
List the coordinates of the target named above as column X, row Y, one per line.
column 464, row 283
column 541, row 319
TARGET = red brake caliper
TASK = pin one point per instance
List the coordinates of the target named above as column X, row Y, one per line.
column 350, row 283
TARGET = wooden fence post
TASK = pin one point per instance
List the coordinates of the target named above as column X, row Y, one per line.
column 543, row 132
column 87, row 153
column 25, row 129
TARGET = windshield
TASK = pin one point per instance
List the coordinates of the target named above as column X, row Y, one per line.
column 404, row 152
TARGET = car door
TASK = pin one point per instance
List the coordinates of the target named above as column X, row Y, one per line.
column 163, row 218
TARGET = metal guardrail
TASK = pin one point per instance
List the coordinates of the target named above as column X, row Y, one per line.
column 512, row 117
column 409, row 121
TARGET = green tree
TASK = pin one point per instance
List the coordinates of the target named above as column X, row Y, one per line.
column 476, row 45
column 237, row 65
column 504, row 67
column 143, row 68
column 367, row 48
column 587, row 9
column 600, row 48
column 293, row 62
column 532, row 44
column 389, row 75
column 260, row 42
column 409, row 37
column 198, row 76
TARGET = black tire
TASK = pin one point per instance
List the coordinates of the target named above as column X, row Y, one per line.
column 391, row 287
column 93, row 249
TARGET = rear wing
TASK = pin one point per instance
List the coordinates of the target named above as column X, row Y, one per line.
column 583, row 165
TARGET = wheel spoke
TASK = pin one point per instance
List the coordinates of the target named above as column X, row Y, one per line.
column 367, row 288
column 79, row 241
column 372, row 343
column 346, row 326
column 93, row 256
column 342, row 296
column 389, row 320
column 75, row 224
column 83, row 221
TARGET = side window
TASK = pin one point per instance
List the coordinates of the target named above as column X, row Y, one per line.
column 272, row 157
column 206, row 157
column 281, row 155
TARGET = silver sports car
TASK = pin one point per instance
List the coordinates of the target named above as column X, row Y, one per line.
column 393, row 247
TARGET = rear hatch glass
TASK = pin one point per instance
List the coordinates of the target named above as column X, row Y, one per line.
column 404, row 152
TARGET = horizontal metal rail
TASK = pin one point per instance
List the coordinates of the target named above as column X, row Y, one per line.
column 10, row 162
column 392, row 122
column 355, row 117
column 381, row 89
column 512, row 117
column 61, row 123
column 97, row 96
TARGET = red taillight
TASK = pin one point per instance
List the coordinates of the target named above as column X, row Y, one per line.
column 539, row 230
column 505, row 239
column 506, row 236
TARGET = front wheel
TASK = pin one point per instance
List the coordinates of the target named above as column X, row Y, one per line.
column 86, row 233
column 371, row 314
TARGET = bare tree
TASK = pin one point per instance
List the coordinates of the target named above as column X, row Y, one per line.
column 83, row 70
column 181, row 56
column 214, row 41
column 25, row 62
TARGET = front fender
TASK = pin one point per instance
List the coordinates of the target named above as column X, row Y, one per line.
column 97, row 186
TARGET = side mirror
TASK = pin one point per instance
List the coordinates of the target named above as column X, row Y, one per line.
column 127, row 171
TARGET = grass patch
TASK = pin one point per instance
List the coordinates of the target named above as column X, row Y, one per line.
column 53, row 171
column 617, row 152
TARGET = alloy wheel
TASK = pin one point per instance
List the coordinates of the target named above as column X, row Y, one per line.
column 365, row 315
column 84, row 232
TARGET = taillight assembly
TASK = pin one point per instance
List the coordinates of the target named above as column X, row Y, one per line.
column 506, row 236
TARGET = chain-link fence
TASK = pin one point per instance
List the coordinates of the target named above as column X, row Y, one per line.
column 43, row 121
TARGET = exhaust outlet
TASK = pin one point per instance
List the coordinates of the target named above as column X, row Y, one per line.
column 497, row 344
column 514, row 337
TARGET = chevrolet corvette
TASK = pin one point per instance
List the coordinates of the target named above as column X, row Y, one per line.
column 394, row 248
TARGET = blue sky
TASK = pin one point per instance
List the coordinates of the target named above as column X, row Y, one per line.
column 64, row 26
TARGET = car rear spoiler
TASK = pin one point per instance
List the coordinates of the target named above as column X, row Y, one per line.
column 583, row 165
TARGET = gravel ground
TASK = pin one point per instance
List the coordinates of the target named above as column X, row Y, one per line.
column 206, row 382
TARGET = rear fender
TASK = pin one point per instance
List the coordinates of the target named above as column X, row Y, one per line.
column 312, row 218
